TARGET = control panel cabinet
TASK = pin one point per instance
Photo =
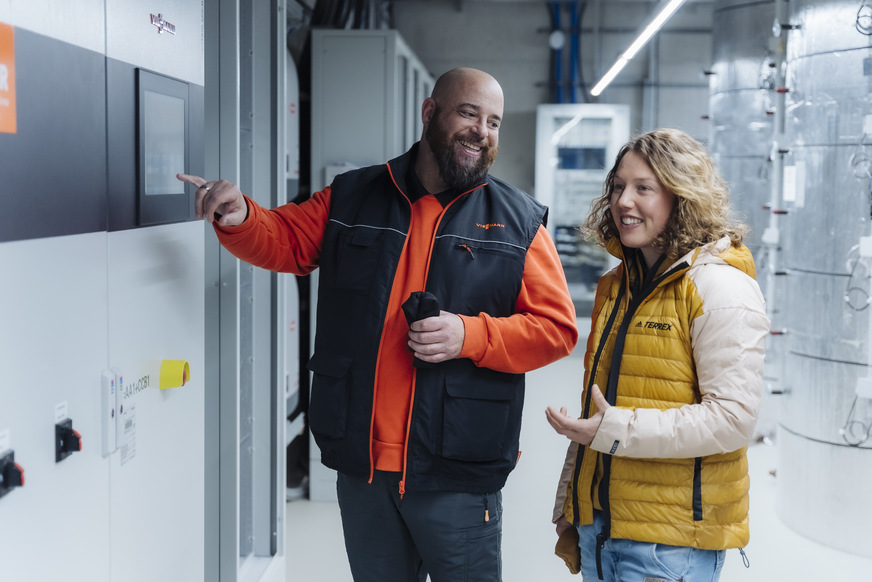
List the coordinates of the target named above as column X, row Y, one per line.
column 101, row 104
column 576, row 145
column 367, row 90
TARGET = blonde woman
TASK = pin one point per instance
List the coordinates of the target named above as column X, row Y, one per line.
column 655, row 482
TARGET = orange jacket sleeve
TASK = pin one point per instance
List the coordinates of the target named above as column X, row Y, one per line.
column 542, row 330
column 286, row 239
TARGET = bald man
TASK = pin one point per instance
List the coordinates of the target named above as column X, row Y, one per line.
column 439, row 288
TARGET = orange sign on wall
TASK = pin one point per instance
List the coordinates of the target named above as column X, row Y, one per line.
column 7, row 79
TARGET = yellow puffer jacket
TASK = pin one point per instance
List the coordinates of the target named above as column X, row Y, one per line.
column 671, row 449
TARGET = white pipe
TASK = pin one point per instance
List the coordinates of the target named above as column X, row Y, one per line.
column 772, row 236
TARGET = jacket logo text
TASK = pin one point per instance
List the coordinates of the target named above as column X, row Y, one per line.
column 655, row 325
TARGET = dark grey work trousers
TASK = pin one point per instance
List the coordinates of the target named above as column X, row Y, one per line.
column 444, row 534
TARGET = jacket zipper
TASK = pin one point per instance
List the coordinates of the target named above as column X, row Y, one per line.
column 643, row 290
column 579, row 457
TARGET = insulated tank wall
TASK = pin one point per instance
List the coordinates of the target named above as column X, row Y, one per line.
column 825, row 449
column 742, row 116
column 792, row 131
column 741, row 112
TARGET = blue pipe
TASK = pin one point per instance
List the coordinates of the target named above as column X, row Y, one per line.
column 573, row 57
column 558, row 61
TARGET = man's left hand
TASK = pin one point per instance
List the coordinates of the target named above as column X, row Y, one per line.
column 437, row 339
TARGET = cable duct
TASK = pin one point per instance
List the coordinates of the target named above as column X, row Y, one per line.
column 353, row 14
column 560, row 88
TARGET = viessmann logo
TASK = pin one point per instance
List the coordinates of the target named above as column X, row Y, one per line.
column 162, row 25
column 655, row 325
column 492, row 225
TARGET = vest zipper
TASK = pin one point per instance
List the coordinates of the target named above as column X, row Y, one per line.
column 402, row 484
column 415, row 371
column 408, row 432
column 467, row 249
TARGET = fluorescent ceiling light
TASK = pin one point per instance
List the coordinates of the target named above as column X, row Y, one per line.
column 609, row 77
column 637, row 45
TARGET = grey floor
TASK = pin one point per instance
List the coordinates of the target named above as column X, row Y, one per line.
column 315, row 550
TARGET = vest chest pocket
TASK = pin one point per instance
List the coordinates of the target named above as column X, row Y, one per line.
column 480, row 418
column 496, row 255
column 480, row 274
column 358, row 259
column 328, row 402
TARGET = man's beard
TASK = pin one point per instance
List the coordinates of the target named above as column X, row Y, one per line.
column 459, row 176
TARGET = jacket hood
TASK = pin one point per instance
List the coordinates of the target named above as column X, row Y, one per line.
column 720, row 251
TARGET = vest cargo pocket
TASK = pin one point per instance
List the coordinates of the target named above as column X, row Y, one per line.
column 328, row 402
column 477, row 416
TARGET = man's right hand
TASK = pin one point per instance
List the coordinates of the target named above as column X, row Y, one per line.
column 219, row 201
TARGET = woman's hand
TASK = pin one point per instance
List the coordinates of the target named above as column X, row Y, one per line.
column 562, row 525
column 580, row 430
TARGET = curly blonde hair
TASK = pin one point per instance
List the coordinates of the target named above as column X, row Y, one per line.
column 701, row 213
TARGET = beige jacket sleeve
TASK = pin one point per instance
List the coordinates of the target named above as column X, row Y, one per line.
column 727, row 341
column 565, row 476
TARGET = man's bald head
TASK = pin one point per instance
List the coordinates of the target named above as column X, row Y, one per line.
column 460, row 81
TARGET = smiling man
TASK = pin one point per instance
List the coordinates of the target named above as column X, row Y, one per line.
column 439, row 288
column 461, row 142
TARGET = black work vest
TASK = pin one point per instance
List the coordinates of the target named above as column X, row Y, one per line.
column 466, row 420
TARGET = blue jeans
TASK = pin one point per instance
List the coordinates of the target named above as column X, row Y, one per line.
column 631, row 561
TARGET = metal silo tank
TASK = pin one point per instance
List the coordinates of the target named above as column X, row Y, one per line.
column 742, row 82
column 740, row 109
column 825, row 449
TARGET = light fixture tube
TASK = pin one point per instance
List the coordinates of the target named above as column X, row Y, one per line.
column 609, row 76
column 637, row 44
